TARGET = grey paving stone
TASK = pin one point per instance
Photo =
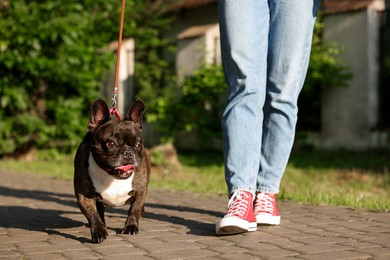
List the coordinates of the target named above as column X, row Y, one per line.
column 39, row 219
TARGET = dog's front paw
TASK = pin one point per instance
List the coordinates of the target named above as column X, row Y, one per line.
column 98, row 233
column 130, row 229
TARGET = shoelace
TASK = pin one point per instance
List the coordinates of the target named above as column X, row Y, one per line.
column 238, row 204
column 264, row 203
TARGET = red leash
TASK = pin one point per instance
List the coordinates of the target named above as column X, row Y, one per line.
column 114, row 110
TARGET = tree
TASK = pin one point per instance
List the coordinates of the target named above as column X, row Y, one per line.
column 53, row 58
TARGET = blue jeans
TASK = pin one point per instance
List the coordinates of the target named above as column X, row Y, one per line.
column 265, row 53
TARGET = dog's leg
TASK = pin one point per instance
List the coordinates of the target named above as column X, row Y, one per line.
column 135, row 210
column 89, row 209
column 101, row 209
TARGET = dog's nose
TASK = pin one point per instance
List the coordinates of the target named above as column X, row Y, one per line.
column 127, row 154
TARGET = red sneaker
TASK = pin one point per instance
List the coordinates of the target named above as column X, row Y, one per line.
column 239, row 217
column 265, row 209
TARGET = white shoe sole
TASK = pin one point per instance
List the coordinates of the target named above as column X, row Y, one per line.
column 267, row 219
column 234, row 225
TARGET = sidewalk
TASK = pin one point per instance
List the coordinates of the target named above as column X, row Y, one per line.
column 39, row 219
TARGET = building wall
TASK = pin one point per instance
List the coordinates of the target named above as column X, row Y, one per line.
column 189, row 56
column 188, row 18
column 344, row 115
column 350, row 115
column 195, row 46
column 198, row 16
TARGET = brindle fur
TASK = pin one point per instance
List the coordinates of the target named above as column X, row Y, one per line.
column 87, row 198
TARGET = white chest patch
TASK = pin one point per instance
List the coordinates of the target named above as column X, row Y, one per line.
column 115, row 192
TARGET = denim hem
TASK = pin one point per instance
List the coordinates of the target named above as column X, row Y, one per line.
column 251, row 190
column 267, row 190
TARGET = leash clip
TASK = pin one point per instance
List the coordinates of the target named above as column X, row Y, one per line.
column 114, row 111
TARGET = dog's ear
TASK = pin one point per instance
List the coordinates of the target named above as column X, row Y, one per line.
column 136, row 113
column 99, row 114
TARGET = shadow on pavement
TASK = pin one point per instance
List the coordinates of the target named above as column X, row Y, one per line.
column 41, row 220
column 50, row 221
column 196, row 227
column 29, row 217
column 60, row 198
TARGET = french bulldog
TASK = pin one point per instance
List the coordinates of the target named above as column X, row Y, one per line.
column 111, row 168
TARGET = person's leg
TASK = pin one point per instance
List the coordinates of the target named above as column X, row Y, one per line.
column 291, row 30
column 244, row 41
column 244, row 36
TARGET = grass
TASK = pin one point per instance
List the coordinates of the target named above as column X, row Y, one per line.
column 199, row 172
column 357, row 180
column 48, row 163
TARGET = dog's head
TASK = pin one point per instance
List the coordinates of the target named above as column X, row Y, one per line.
column 117, row 146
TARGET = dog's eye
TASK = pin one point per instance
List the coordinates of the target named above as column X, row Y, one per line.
column 110, row 144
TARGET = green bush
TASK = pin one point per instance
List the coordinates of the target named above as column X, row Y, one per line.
column 53, row 58
column 199, row 106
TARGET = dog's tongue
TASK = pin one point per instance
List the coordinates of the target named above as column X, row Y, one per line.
column 125, row 168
